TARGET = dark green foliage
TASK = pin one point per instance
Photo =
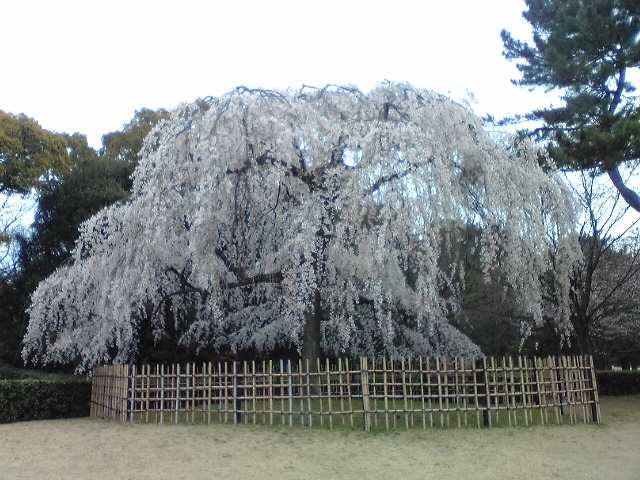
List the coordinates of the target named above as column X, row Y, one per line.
column 91, row 185
column 489, row 313
column 585, row 50
column 125, row 145
column 625, row 382
column 43, row 400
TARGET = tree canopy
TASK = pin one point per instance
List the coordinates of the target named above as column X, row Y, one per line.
column 317, row 218
column 126, row 144
column 29, row 155
column 30, row 158
column 589, row 51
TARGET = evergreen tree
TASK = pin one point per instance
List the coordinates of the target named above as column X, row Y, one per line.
column 588, row 50
column 29, row 155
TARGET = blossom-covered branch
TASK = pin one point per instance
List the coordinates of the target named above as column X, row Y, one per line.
column 316, row 218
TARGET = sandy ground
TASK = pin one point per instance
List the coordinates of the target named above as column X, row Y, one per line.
column 101, row 449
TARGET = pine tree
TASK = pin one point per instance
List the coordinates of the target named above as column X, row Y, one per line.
column 589, row 51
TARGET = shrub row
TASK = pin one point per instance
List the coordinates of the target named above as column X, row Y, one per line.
column 624, row 382
column 43, row 399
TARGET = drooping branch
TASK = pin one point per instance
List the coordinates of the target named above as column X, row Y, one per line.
column 186, row 285
column 384, row 180
column 301, row 173
column 242, row 279
column 237, row 271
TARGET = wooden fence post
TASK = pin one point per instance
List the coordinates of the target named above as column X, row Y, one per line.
column 364, row 380
column 290, row 391
column 127, row 392
column 483, row 390
column 595, row 406
column 236, row 401
column 94, row 393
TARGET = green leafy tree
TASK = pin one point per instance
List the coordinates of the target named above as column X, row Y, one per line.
column 126, row 144
column 29, row 155
column 588, row 51
column 29, row 158
column 91, row 185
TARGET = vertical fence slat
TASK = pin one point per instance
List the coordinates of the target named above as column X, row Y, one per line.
column 349, row 396
column 595, row 406
column 364, row 378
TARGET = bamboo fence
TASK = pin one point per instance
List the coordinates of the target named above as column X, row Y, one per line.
column 379, row 394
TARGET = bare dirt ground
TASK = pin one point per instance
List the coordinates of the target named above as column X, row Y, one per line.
column 100, row 449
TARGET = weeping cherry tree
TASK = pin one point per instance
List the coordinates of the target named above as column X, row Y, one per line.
column 316, row 218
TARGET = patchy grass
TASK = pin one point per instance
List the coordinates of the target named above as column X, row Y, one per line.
column 97, row 449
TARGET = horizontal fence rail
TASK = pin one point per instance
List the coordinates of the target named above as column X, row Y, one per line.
column 380, row 394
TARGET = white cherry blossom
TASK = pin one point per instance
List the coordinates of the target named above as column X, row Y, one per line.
column 266, row 217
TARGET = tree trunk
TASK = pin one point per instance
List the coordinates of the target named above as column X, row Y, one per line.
column 584, row 339
column 311, row 340
column 313, row 315
column 311, row 331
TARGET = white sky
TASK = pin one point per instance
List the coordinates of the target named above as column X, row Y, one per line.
column 86, row 66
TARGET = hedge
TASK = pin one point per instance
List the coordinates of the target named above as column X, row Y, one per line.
column 618, row 382
column 43, row 399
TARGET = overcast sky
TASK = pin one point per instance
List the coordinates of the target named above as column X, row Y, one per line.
column 86, row 66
